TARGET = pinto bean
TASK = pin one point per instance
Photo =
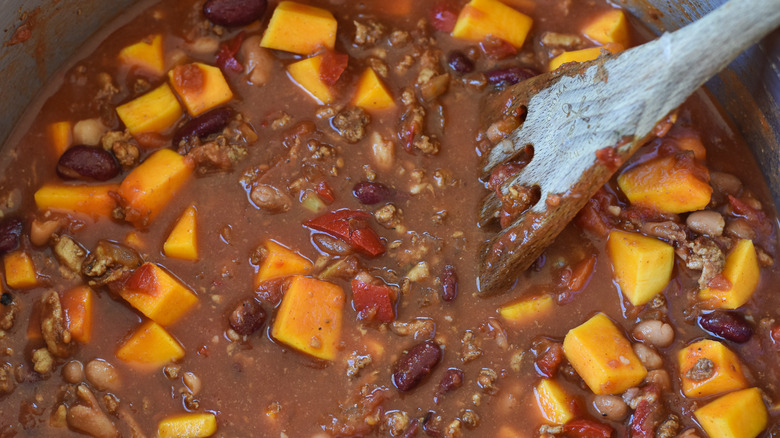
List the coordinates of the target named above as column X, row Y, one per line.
column 102, row 375
column 258, row 61
column 232, row 13
column 411, row 368
column 611, row 407
column 706, row 222
column 731, row 326
column 649, row 358
column 741, row 229
column 725, row 183
column 654, row 332
column 73, row 372
column 270, row 199
column 87, row 163
column 659, row 378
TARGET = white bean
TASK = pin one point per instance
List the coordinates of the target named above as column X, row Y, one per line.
column 102, row 375
column 88, row 132
column 654, row 332
column 706, row 222
column 649, row 358
column 611, row 407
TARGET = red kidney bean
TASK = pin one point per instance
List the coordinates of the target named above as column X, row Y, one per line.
column 247, row 318
column 371, row 193
column 415, row 365
column 430, row 426
column 731, row 326
column 509, row 75
column 449, row 283
column 234, row 12
column 204, row 125
column 452, row 380
column 10, row 232
column 459, row 62
column 87, row 163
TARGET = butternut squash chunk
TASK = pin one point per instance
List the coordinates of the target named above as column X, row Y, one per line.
column 712, row 358
column 146, row 55
column 300, row 29
column 182, row 243
column 642, row 266
column 309, row 318
column 609, row 27
column 306, row 74
column 93, row 200
column 196, row 425
column 742, row 272
column 527, row 309
column 372, row 93
column 150, row 345
column 602, row 356
column 19, row 270
column 154, row 112
column 281, row 262
column 158, row 295
column 557, row 406
column 77, row 304
column 740, row 414
column 61, row 136
column 670, row 184
column 582, row 55
column 200, row 86
column 482, row 18
column 150, row 186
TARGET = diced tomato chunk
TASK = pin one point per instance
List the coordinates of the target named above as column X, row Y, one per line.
column 352, row 227
column 332, row 66
column 226, row 57
column 325, row 192
column 443, row 16
column 373, row 301
column 583, row 428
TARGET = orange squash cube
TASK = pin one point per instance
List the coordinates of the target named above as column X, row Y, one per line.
column 300, row 29
column 182, row 243
column 19, row 270
column 150, row 186
column 200, row 86
column 77, row 304
column 713, row 358
column 602, row 356
column 582, row 55
column 609, row 27
column 150, row 345
column 154, row 112
column 281, row 262
column 61, row 136
column 557, row 406
column 306, row 74
column 642, row 265
column 93, row 200
column 742, row 272
column 195, row 425
column 670, row 184
column 372, row 93
column 482, row 18
column 688, row 140
column 740, row 414
column 134, row 240
column 146, row 55
column 527, row 309
column 158, row 295
column 309, row 318
column 525, row 6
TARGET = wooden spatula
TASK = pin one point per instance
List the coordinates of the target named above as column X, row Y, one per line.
column 611, row 103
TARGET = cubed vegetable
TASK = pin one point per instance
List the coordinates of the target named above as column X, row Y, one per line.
column 200, row 86
column 154, row 112
column 77, row 304
column 281, row 262
column 582, row 55
column 134, row 240
column 158, row 294
column 740, row 414
column 150, row 345
column 526, row 6
column 150, row 186
column 300, row 29
column 602, row 356
column 527, row 309
column 146, row 55
column 642, row 266
column 372, row 301
column 742, row 272
column 609, row 27
column 670, row 184
column 19, row 270
column 557, row 406
column 196, row 425
column 372, row 93
column 93, row 200
column 60, row 135
column 306, row 74
column 687, row 140
column 708, row 367
column 482, row 18
column 309, row 318
column 182, row 242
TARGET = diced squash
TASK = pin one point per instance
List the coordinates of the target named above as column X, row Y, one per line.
column 527, row 309
column 609, row 27
column 642, row 266
column 526, row 6
column 742, row 272
column 602, row 356
column 309, row 318
column 482, row 18
column 77, row 304
column 196, row 425
column 150, row 345
column 200, row 86
column 699, row 359
column 153, row 112
column 158, row 295
column 372, row 93
column 508, row 432
column 150, row 186
column 19, row 270
column 300, row 29
column 557, row 406
column 740, row 414
column 670, row 184
column 61, row 136
column 182, row 243
column 281, row 262
column 93, row 200
column 306, row 74
column 688, row 140
column 582, row 55
column 134, row 240
column 146, row 55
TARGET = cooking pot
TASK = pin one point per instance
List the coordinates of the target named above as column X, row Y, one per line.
column 39, row 36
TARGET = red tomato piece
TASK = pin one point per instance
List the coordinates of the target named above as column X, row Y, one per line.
column 373, row 301
column 496, row 48
column 143, row 279
column 226, row 57
column 325, row 192
column 352, row 227
column 332, row 66
column 443, row 16
column 583, row 428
